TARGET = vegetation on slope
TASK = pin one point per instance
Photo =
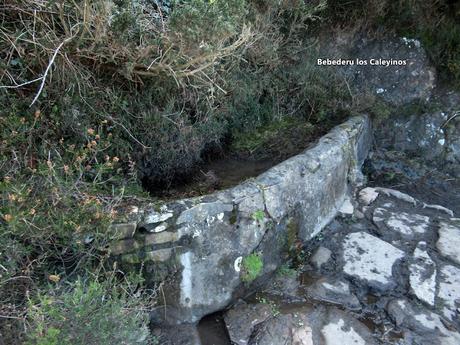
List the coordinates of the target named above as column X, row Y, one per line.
column 99, row 96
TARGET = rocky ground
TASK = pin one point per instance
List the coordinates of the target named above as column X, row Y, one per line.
column 386, row 271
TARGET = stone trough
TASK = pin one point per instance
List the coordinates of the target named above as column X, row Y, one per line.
column 197, row 247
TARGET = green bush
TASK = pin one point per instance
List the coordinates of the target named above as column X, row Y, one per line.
column 129, row 64
column 57, row 197
column 169, row 84
column 88, row 313
column 129, row 93
column 134, row 93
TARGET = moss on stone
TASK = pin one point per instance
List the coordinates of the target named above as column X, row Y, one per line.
column 252, row 266
column 292, row 230
column 233, row 216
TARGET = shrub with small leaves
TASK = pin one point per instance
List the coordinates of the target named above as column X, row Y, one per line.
column 89, row 313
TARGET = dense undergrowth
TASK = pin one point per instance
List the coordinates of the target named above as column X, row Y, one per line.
column 99, row 96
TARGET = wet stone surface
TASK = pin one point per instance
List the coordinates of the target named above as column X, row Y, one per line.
column 388, row 273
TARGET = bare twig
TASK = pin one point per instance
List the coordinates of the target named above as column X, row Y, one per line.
column 11, row 317
column 129, row 133
column 14, row 278
column 20, row 85
column 457, row 113
column 48, row 69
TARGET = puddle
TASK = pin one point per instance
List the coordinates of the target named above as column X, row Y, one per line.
column 232, row 171
column 371, row 299
column 212, row 330
column 378, row 329
column 309, row 278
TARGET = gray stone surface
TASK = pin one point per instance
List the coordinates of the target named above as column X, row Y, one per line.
column 449, row 240
column 433, row 136
column 210, row 235
column 397, row 85
column 368, row 195
column 399, row 283
column 401, row 222
column 320, row 257
column 422, row 276
column 286, row 329
column 287, row 288
column 421, row 326
column 341, row 330
column 122, row 231
column 402, row 293
column 307, row 326
column 347, row 207
column 449, row 290
column 396, row 194
column 242, row 319
column 334, row 291
column 370, row 259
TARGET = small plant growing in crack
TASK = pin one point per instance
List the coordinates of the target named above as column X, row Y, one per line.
column 286, row 271
column 258, row 216
column 272, row 304
column 251, row 267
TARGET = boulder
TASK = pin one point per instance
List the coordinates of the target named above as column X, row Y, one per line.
column 449, row 291
column 395, row 69
column 334, row 292
column 432, row 134
column 449, row 240
column 243, row 318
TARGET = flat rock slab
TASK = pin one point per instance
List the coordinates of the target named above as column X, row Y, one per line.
column 242, row 319
column 370, row 259
column 403, row 223
column 287, row 287
column 449, row 240
column 368, row 195
column 334, row 291
column 312, row 326
column 340, row 328
column 423, row 275
column 449, row 290
column 421, row 326
column 335, row 333
column 287, row 329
